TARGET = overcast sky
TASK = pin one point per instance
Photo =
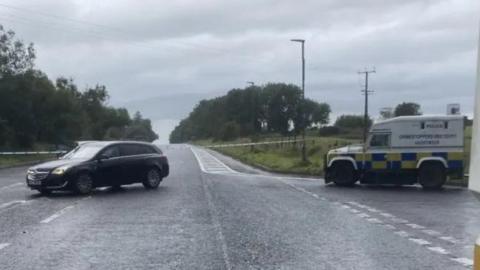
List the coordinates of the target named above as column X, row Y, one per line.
column 423, row 51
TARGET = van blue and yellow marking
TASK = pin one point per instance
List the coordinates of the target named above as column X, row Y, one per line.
column 401, row 160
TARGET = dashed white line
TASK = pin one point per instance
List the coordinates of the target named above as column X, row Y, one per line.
column 4, row 245
column 439, row 250
column 399, row 220
column 374, row 220
column 57, row 214
column 387, row 215
column 402, row 233
column 363, row 215
column 373, row 210
column 465, row 261
column 431, row 232
column 8, row 204
column 12, row 186
column 449, row 239
column 414, row 226
column 420, row 241
column 390, row 226
column 355, row 211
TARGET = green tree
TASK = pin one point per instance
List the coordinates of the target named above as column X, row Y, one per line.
column 140, row 129
column 351, row 121
column 407, row 108
column 15, row 56
column 275, row 107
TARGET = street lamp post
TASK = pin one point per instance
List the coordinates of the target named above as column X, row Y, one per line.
column 302, row 41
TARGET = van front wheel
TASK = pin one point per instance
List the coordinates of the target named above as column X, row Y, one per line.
column 344, row 174
column 432, row 175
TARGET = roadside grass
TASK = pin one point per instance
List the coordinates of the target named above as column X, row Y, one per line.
column 12, row 160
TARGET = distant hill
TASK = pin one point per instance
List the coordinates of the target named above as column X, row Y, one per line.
column 167, row 107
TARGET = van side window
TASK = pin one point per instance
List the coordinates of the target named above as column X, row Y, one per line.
column 380, row 140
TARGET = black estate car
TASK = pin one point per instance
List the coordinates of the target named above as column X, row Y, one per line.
column 98, row 164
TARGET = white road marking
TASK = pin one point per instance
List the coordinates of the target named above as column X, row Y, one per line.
column 374, row 220
column 209, row 163
column 8, row 204
column 390, row 226
column 414, row 226
column 420, row 241
column 373, row 210
column 355, row 211
column 465, row 261
column 363, row 215
column 399, row 220
column 402, row 233
column 439, row 250
column 12, row 186
column 449, row 239
column 4, row 245
column 216, row 224
column 362, row 206
column 387, row 215
column 346, row 206
column 431, row 232
column 57, row 214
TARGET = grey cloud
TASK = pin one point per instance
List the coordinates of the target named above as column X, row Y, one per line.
column 424, row 51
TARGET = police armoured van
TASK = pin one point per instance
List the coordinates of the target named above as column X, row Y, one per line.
column 402, row 150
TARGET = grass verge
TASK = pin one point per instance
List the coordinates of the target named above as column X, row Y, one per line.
column 15, row 160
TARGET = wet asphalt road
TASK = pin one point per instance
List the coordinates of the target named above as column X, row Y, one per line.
column 214, row 213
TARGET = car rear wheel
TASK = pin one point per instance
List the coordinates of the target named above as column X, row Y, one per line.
column 152, row 179
column 83, row 184
column 432, row 175
column 344, row 174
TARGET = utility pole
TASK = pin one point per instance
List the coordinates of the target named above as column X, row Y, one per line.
column 304, row 154
column 366, row 92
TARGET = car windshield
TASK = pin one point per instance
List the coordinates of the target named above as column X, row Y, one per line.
column 83, row 152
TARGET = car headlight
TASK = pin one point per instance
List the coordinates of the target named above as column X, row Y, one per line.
column 60, row 170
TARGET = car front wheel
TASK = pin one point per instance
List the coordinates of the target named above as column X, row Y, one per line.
column 152, row 179
column 83, row 184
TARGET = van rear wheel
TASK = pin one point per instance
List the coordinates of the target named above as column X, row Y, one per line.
column 344, row 174
column 432, row 175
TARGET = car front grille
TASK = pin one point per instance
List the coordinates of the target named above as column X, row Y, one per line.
column 36, row 175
